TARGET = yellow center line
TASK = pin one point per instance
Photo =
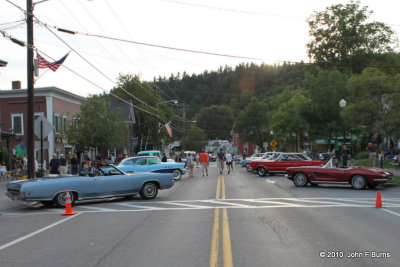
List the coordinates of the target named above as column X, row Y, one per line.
column 226, row 240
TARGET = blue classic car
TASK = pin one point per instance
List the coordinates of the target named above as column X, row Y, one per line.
column 104, row 182
column 152, row 164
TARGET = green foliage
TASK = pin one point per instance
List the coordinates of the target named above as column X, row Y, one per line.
column 195, row 139
column 216, row 121
column 325, row 88
column 97, row 126
column 253, row 123
column 287, row 123
column 341, row 35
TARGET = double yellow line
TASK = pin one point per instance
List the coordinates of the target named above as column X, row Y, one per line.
column 226, row 239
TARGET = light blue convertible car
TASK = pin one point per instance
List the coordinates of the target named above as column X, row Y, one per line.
column 152, row 164
column 104, row 182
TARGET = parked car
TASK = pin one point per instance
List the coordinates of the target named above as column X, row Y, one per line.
column 357, row 177
column 252, row 157
column 152, row 164
column 104, row 182
column 212, row 157
column 281, row 162
column 156, row 153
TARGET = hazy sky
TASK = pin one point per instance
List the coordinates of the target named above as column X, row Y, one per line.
column 271, row 31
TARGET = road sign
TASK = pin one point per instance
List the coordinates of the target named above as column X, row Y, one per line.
column 47, row 126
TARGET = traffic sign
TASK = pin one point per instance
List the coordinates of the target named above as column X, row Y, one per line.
column 47, row 127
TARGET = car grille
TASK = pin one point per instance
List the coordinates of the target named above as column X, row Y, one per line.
column 13, row 192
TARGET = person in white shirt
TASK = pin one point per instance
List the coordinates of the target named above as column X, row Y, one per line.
column 228, row 159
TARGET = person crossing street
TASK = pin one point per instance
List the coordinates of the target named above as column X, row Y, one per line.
column 204, row 160
column 220, row 161
column 229, row 161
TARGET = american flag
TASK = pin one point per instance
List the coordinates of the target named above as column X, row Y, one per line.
column 43, row 63
column 168, row 126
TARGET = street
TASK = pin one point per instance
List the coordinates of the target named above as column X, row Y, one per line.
column 239, row 219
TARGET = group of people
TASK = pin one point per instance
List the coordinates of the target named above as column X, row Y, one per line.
column 204, row 159
column 63, row 166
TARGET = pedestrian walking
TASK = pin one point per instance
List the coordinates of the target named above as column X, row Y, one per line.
column 74, row 164
column 189, row 165
column 204, row 159
column 63, row 165
column 54, row 165
column 220, row 160
column 20, row 167
column 229, row 160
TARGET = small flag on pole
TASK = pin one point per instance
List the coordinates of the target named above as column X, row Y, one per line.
column 43, row 63
column 168, row 126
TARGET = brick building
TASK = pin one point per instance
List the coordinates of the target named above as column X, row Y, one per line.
column 56, row 105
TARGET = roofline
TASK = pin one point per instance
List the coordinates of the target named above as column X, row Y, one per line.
column 43, row 91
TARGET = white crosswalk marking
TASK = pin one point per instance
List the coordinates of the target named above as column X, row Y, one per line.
column 260, row 203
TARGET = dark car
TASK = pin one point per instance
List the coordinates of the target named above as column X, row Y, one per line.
column 357, row 177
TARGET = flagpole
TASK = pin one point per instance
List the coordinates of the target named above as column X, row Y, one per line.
column 30, row 90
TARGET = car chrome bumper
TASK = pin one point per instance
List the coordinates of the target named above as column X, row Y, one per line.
column 382, row 179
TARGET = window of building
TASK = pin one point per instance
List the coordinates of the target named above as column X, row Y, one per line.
column 64, row 124
column 56, row 123
column 17, row 123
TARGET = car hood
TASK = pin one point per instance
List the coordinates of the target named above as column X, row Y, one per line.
column 373, row 169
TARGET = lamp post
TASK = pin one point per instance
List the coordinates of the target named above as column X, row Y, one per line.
column 174, row 101
column 342, row 105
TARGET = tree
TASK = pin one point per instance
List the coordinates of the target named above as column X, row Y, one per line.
column 341, row 35
column 373, row 101
column 150, row 109
column 252, row 124
column 216, row 121
column 96, row 126
column 287, row 124
column 195, row 139
column 325, row 88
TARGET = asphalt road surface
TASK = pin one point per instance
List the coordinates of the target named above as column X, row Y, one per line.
column 237, row 219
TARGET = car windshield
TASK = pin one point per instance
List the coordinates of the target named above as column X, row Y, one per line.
column 107, row 170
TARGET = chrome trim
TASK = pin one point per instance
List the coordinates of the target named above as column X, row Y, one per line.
column 328, row 182
column 381, row 180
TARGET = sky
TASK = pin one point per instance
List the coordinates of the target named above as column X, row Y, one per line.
column 259, row 31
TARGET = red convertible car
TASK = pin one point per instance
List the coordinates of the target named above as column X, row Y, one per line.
column 357, row 177
column 282, row 162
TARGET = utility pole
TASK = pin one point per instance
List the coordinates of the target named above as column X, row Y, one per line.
column 30, row 87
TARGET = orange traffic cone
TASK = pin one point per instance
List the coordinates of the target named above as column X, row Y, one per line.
column 378, row 202
column 68, row 205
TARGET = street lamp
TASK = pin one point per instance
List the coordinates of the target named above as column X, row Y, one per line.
column 168, row 101
column 342, row 105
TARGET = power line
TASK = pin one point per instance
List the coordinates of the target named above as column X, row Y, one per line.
column 232, row 10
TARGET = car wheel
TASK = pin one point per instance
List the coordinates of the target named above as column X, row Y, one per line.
column 358, row 182
column 300, row 179
column 177, row 174
column 60, row 199
column 261, row 171
column 249, row 168
column 149, row 191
